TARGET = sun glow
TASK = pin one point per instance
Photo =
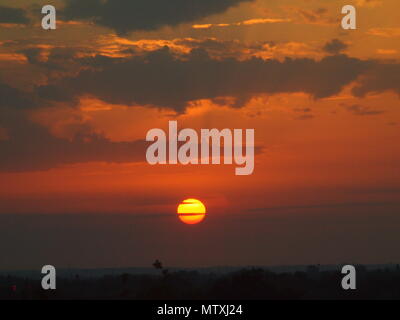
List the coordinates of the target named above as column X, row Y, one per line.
column 191, row 211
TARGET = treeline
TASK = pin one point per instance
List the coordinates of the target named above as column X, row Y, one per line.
column 247, row 284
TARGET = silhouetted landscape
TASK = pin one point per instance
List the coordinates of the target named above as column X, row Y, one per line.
column 314, row 282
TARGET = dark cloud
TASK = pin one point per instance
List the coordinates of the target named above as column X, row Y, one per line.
column 303, row 110
column 31, row 147
column 304, row 117
column 160, row 79
column 335, row 46
column 303, row 114
column 13, row 15
column 58, row 62
column 315, row 16
column 326, row 205
column 312, row 15
column 133, row 15
column 360, row 110
column 15, row 98
column 226, row 48
column 380, row 78
column 33, row 55
column 27, row 146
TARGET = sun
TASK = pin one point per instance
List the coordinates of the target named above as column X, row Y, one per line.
column 191, row 211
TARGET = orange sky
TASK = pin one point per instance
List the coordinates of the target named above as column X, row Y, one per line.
column 337, row 149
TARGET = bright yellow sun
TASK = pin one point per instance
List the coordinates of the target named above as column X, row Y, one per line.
column 191, row 211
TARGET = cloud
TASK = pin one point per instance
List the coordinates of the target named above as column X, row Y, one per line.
column 304, row 117
column 384, row 32
column 28, row 146
column 369, row 3
column 360, row 110
column 303, row 114
column 386, row 51
column 303, row 110
column 248, row 22
column 31, row 147
column 326, row 205
column 160, row 79
column 14, row 98
column 335, row 46
column 226, row 48
column 56, row 62
column 312, row 16
column 133, row 15
column 13, row 16
column 380, row 78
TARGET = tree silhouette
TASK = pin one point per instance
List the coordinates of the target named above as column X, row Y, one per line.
column 158, row 265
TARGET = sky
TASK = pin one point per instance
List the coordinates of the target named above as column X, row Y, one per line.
column 76, row 104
